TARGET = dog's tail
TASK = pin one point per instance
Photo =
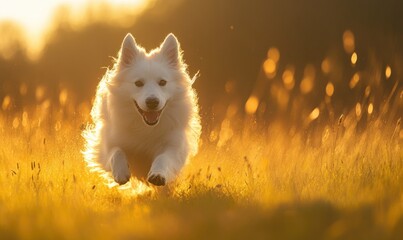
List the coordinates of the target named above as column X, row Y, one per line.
column 194, row 78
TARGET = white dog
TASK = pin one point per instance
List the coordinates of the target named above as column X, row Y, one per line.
column 145, row 114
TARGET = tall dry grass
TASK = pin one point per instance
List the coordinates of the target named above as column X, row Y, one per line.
column 248, row 180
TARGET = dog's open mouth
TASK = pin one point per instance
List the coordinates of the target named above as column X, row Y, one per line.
column 150, row 117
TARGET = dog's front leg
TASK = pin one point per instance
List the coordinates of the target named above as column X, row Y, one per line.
column 119, row 166
column 167, row 165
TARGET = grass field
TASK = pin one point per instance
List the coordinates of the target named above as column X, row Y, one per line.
column 255, row 182
column 301, row 105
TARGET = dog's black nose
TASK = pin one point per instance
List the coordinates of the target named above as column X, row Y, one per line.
column 152, row 103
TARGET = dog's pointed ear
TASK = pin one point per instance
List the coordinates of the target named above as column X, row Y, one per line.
column 170, row 49
column 128, row 51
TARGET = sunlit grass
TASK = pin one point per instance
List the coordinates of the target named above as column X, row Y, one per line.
column 313, row 152
column 307, row 174
column 255, row 181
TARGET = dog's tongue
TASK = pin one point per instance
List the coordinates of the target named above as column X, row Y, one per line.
column 152, row 116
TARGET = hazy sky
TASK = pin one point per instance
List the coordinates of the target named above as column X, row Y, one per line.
column 35, row 15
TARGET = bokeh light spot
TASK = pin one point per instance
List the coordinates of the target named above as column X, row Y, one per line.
column 325, row 66
column 358, row 109
column 367, row 91
column 307, row 82
column 6, row 103
column 388, row 72
column 251, row 105
column 63, row 97
column 288, row 78
column 354, row 58
column 25, row 120
column 329, row 89
column 370, row 108
column 269, row 67
column 314, row 114
column 354, row 80
column 306, row 85
column 39, row 93
column 16, row 122
column 348, row 41
column 273, row 54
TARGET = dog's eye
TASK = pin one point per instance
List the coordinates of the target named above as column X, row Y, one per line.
column 139, row 83
column 162, row 82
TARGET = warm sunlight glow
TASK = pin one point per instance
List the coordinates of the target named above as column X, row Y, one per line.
column 354, row 58
column 35, row 17
column 226, row 133
column 113, row 128
column 388, row 72
column 251, row 105
column 135, row 188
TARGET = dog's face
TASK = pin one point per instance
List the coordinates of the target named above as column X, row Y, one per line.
column 150, row 79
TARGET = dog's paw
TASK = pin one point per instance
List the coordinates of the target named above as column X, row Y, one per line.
column 156, row 180
column 120, row 168
column 121, row 177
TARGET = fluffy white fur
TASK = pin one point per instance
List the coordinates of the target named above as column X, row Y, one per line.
column 132, row 136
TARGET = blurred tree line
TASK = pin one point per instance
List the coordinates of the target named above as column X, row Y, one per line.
column 227, row 41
